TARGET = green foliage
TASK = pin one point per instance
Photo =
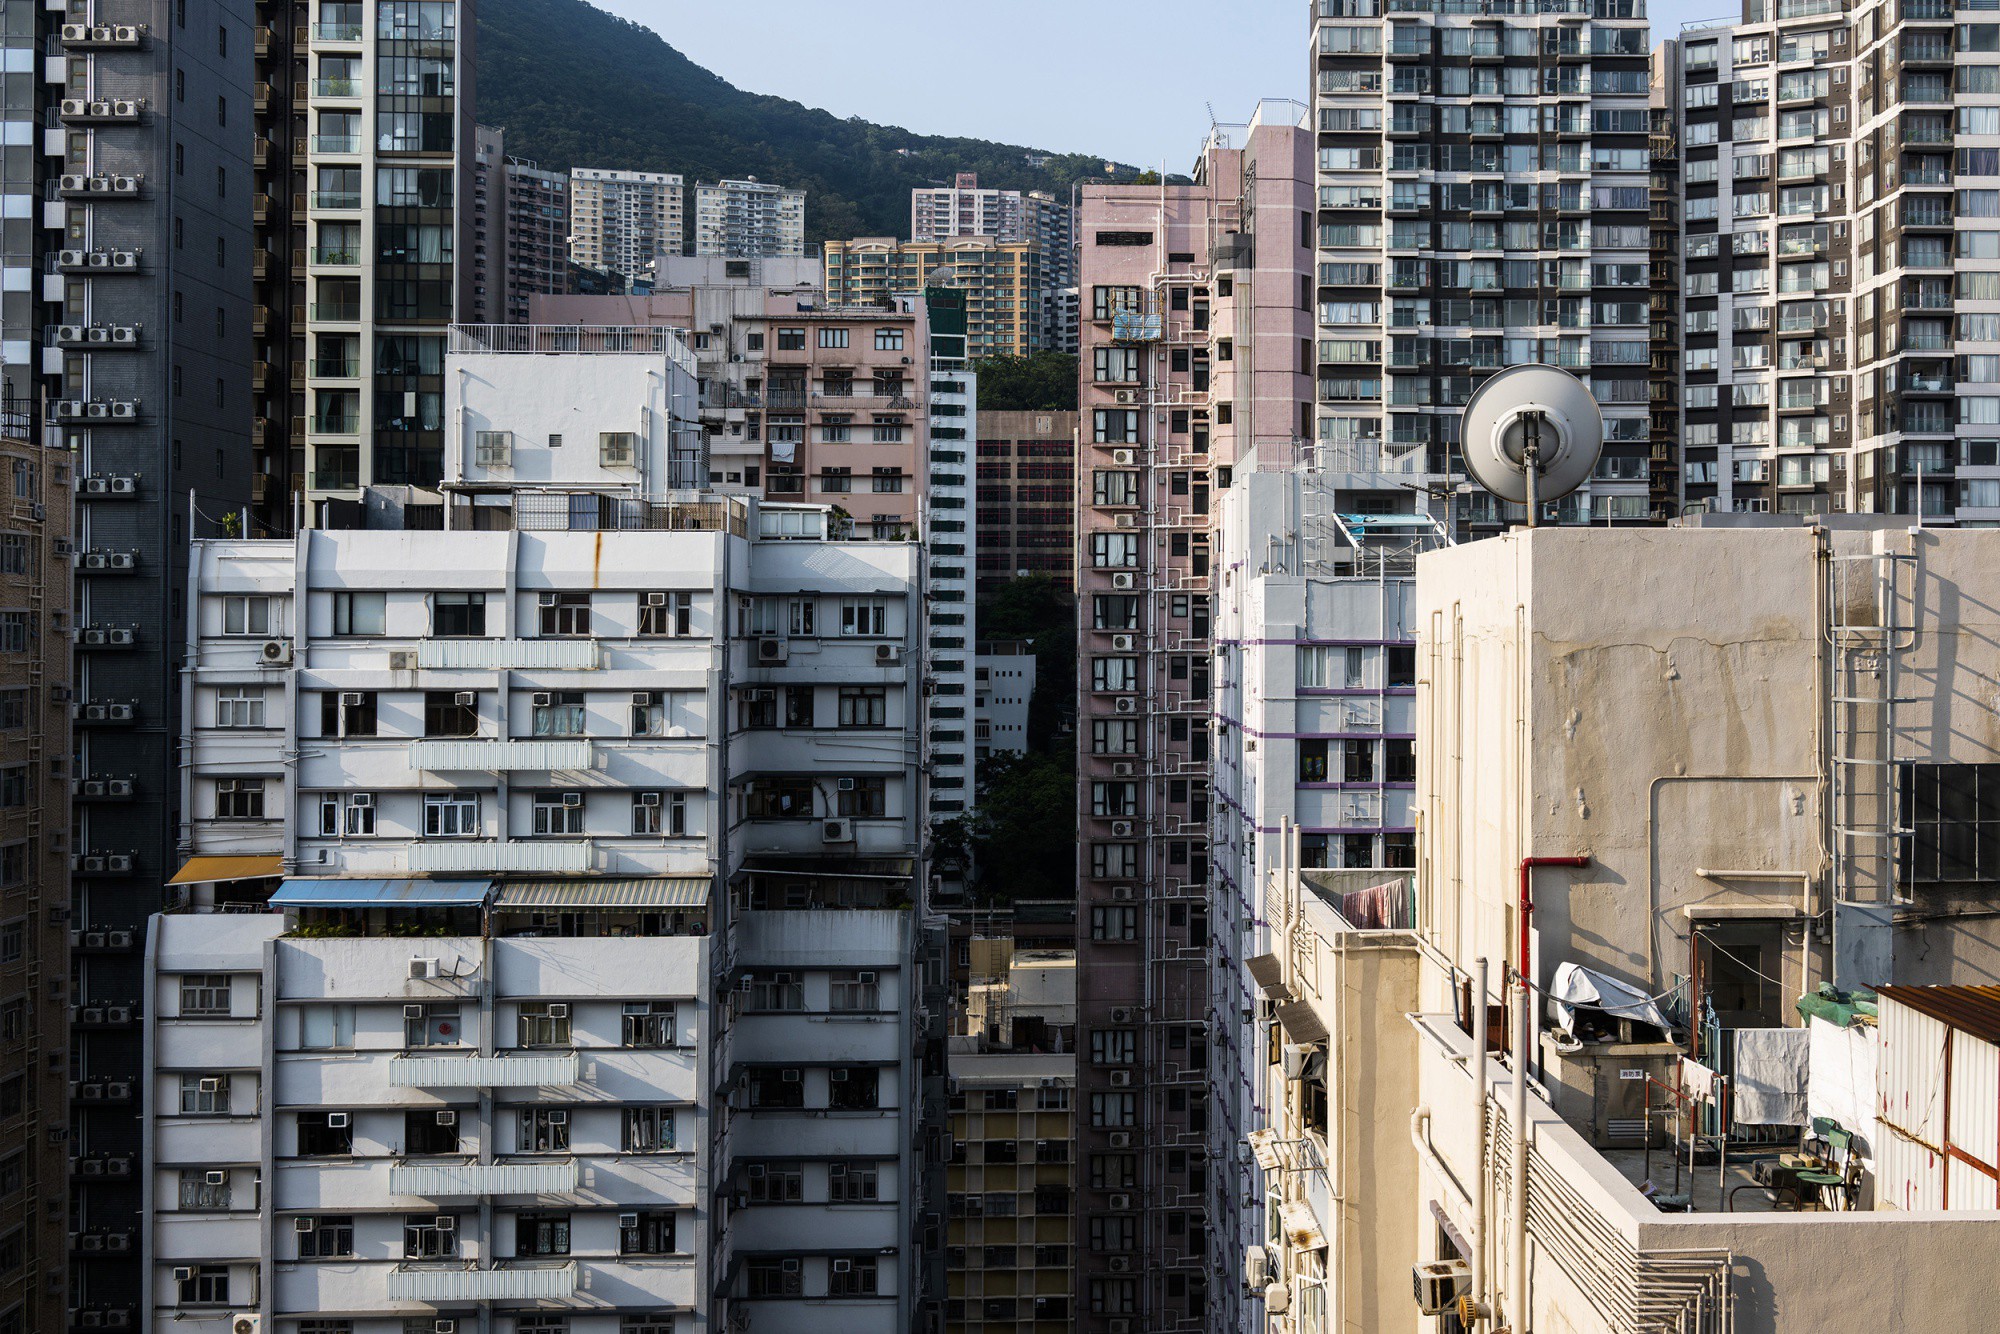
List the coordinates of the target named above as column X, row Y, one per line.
column 574, row 86
column 1042, row 382
column 1037, row 609
column 1023, row 833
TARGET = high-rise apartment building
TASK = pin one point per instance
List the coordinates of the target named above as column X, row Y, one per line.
column 1197, row 326
column 625, row 221
column 1482, row 202
column 391, row 220
column 749, row 220
column 939, row 213
column 1002, row 281
column 520, row 232
column 140, row 254
column 582, row 869
column 1027, row 493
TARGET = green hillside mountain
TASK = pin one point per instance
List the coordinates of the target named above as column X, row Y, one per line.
column 574, row 86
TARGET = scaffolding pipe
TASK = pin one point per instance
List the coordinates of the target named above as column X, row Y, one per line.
column 1483, row 1178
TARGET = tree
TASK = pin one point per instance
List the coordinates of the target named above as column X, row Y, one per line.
column 1042, row 382
column 1035, row 608
column 1022, row 833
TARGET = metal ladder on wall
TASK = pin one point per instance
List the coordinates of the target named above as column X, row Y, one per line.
column 1870, row 625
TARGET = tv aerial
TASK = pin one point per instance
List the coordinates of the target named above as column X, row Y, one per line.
column 1532, row 434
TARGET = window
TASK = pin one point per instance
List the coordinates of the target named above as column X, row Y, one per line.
column 451, row 814
column 326, row 1027
column 617, row 449
column 649, row 1129
column 650, row 1024
column 1112, row 922
column 651, row 1233
column 430, row 1236
column 659, row 813
column 887, row 481
column 773, row 1277
column 558, row 713
column 1114, row 1046
column 451, row 713
column 776, row 1087
column 13, row 710
column 199, row 1193
column 780, row 799
column 558, row 814
column 850, row 1277
column 541, row 1233
column 205, row 995
column 862, row 798
column 852, row 1183
column 347, row 713
column 240, row 706
column 565, row 613
column 855, row 989
column 205, row 1285
column 864, row 706
column 543, row 1131
column 1953, row 813
column 205, row 1095
column 864, row 617
column 666, row 613
column 1113, row 1110
column 888, row 340
column 775, row 1183
column 239, row 799
column 360, row 613
column 329, row 1237
column 325, row 1134
column 829, row 337
column 458, row 615
column 791, row 340
column 773, row 992
column 543, row 1024
column 246, row 615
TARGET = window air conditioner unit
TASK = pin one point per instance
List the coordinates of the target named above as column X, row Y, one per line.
column 124, row 33
column 649, row 798
column 654, row 599
column 642, row 699
column 215, row 1177
column 183, row 1273
column 1256, row 1266
column 1439, row 1283
column 413, row 1012
column 559, row 1010
column 836, row 1076
column 97, row 259
column 888, row 654
column 572, row 799
column 97, row 410
column 444, row 1327
column 449, row 1222
column 350, row 698
column 542, row 699
column 211, row 1086
column 789, row 1076
column 1123, row 581
column 303, row 1225
column 628, row 1220
column 336, row 1120
column 447, row 1117
column 465, row 698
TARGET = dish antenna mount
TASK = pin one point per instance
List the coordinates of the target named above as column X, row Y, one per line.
column 1532, row 434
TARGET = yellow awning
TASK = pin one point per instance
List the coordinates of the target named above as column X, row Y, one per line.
column 202, row 870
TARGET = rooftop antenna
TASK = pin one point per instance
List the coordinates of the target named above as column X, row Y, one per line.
column 1532, row 434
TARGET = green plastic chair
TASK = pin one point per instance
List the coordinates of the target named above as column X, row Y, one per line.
column 1839, row 1145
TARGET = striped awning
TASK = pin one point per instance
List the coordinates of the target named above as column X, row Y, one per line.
column 203, row 870
column 381, row 893
column 603, row 895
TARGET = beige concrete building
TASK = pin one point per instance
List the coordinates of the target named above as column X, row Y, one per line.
column 625, row 221
column 1003, row 282
column 749, row 219
column 1027, row 483
column 1010, row 1246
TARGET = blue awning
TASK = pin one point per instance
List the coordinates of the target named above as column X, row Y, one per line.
column 381, row 893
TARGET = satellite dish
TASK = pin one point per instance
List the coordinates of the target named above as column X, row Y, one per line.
column 1531, row 434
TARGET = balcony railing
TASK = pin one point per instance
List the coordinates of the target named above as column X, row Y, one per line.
column 434, row 1180
column 336, row 88
column 336, row 368
column 338, row 311
column 336, row 143
column 337, row 32
column 425, row 1283
column 499, row 756
column 338, row 257
column 336, row 426
column 529, row 1071
column 553, row 857
column 336, row 199
column 561, row 655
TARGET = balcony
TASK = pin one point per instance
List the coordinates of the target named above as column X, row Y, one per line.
column 341, row 312
column 335, row 368
column 338, row 200
column 479, row 756
column 571, row 857
column 335, row 426
column 558, row 655
column 464, row 1283
column 334, row 258
column 436, row 1180
column 547, row 1070
column 336, row 32
column 336, row 88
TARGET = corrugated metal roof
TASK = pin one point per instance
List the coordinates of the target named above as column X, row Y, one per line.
column 687, row 891
column 1974, row 1010
column 381, row 893
column 1301, row 1024
column 1269, row 975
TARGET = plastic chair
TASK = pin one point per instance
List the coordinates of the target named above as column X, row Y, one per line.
column 1832, row 1181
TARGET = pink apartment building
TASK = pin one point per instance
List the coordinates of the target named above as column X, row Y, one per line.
column 1196, row 351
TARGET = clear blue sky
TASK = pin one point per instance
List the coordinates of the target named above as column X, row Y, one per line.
column 1126, row 78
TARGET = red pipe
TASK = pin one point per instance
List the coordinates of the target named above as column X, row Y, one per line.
column 1528, row 865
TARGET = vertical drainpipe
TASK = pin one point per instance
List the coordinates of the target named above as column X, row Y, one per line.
column 1483, row 1178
